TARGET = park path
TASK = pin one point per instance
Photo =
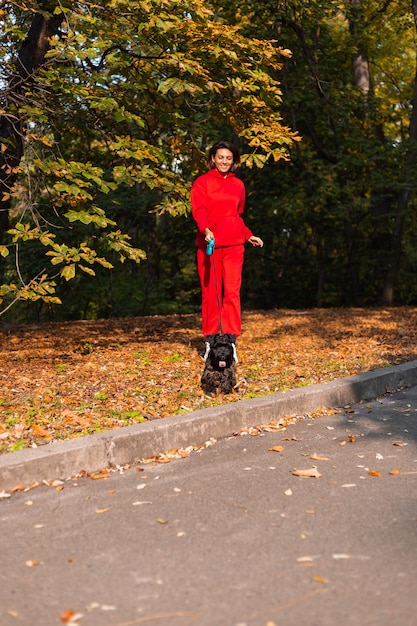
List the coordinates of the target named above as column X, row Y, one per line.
column 230, row 535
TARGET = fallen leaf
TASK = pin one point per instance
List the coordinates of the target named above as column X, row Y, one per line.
column 320, row 579
column 70, row 617
column 102, row 510
column 307, row 473
column 394, row 472
column 340, row 556
column 277, row 449
column 399, row 443
column 161, row 521
column 288, row 492
column 374, row 473
column 32, row 563
column 316, row 457
column 67, row 616
column 39, row 431
column 19, row 487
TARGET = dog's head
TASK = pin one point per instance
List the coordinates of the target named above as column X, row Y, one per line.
column 221, row 353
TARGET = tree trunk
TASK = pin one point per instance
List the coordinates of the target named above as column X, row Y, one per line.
column 31, row 56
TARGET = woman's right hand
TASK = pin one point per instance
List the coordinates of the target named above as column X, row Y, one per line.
column 208, row 234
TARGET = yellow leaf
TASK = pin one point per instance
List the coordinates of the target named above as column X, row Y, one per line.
column 394, row 472
column 277, row 449
column 320, row 579
column 98, row 476
column 374, row 473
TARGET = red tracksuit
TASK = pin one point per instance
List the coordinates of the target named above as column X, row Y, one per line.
column 217, row 203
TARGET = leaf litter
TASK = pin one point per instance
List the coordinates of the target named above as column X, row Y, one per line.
column 61, row 380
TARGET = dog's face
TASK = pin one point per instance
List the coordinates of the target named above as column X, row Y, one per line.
column 221, row 352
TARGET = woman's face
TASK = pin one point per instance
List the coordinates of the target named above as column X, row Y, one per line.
column 223, row 160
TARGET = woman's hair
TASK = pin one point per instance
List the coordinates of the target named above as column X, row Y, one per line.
column 224, row 145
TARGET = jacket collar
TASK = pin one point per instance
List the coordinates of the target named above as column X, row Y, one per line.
column 216, row 174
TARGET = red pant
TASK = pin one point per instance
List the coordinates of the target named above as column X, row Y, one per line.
column 221, row 278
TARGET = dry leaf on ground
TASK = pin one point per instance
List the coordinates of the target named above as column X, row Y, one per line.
column 307, row 473
column 317, row 457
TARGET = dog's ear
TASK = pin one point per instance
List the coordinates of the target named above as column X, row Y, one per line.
column 230, row 338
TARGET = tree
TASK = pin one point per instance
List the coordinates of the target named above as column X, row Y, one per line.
column 105, row 98
column 345, row 195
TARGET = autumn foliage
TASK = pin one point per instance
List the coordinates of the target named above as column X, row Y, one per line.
column 64, row 380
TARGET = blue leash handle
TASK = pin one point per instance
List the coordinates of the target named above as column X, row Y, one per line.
column 210, row 247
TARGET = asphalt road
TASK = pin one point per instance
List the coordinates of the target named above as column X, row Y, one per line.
column 228, row 535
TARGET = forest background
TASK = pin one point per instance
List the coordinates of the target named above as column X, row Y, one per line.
column 107, row 111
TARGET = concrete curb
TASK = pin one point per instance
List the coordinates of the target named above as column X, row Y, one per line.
column 60, row 460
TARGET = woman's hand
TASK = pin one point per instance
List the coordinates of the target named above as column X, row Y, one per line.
column 208, row 234
column 256, row 241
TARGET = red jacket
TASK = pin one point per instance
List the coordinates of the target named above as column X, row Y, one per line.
column 217, row 203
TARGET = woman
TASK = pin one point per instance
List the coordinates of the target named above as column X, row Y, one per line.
column 217, row 202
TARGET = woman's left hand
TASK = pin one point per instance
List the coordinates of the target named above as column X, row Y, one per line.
column 256, row 241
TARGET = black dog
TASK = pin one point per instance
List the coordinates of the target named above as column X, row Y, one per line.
column 220, row 370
